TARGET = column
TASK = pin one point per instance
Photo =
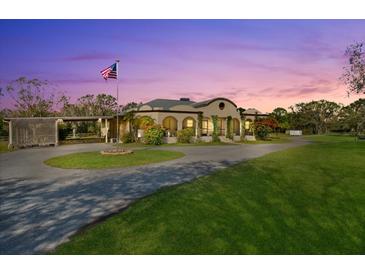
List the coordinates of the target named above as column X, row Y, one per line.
column 196, row 129
column 10, row 135
column 241, row 125
column 179, row 123
column 56, row 133
column 106, row 131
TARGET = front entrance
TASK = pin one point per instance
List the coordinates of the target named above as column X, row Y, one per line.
column 221, row 126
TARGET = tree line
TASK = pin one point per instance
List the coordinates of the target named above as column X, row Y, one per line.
column 37, row 98
column 320, row 117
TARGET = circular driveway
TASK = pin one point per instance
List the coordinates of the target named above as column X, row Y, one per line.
column 42, row 206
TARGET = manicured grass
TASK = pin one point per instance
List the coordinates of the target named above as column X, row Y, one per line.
column 275, row 139
column 305, row 200
column 331, row 138
column 201, row 144
column 177, row 144
column 94, row 160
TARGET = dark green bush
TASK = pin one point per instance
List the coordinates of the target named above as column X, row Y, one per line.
column 154, row 135
column 64, row 130
column 185, row 135
column 127, row 138
column 262, row 131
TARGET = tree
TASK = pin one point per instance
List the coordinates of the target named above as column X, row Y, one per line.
column 241, row 110
column 354, row 72
column 130, row 105
column 264, row 126
column 315, row 116
column 281, row 116
column 32, row 97
column 352, row 117
column 105, row 104
column 3, row 127
column 90, row 105
column 130, row 117
column 144, row 122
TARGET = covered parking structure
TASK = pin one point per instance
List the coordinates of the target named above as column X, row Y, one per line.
column 43, row 131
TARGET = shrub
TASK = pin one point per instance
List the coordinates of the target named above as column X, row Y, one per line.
column 185, row 135
column 262, row 131
column 154, row 135
column 144, row 122
column 127, row 138
column 63, row 131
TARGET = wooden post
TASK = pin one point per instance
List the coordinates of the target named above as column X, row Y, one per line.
column 106, row 131
column 56, row 133
column 10, row 135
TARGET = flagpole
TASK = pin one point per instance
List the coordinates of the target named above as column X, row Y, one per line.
column 117, row 64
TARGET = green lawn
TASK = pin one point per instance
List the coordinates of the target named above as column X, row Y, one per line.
column 201, row 144
column 94, row 160
column 275, row 139
column 306, row 200
column 331, row 138
column 137, row 145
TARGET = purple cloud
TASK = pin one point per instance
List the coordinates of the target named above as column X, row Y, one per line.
column 89, row 57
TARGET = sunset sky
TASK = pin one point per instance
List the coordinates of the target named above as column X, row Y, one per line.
column 255, row 63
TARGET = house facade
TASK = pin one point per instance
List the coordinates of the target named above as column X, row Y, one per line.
column 175, row 115
column 172, row 115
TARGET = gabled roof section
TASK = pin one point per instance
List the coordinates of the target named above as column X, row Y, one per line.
column 208, row 102
column 252, row 111
column 166, row 104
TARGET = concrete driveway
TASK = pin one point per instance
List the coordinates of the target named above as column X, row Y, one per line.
column 42, row 206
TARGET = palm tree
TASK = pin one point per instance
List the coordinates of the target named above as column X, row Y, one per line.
column 130, row 117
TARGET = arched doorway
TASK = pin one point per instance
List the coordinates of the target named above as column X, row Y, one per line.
column 248, row 126
column 206, row 127
column 170, row 124
column 236, row 127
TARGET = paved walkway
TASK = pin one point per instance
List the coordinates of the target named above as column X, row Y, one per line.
column 41, row 206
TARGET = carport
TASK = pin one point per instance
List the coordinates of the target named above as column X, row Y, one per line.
column 43, row 131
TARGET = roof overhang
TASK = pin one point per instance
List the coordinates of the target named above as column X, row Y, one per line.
column 64, row 118
column 166, row 110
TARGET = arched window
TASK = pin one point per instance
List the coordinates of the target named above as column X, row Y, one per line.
column 189, row 122
column 170, row 124
column 236, row 126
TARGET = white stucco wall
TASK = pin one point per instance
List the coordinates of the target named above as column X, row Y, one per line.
column 178, row 116
column 208, row 110
column 213, row 109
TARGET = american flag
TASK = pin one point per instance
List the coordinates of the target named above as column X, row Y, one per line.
column 110, row 72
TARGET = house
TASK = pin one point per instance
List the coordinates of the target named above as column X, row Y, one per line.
column 174, row 115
